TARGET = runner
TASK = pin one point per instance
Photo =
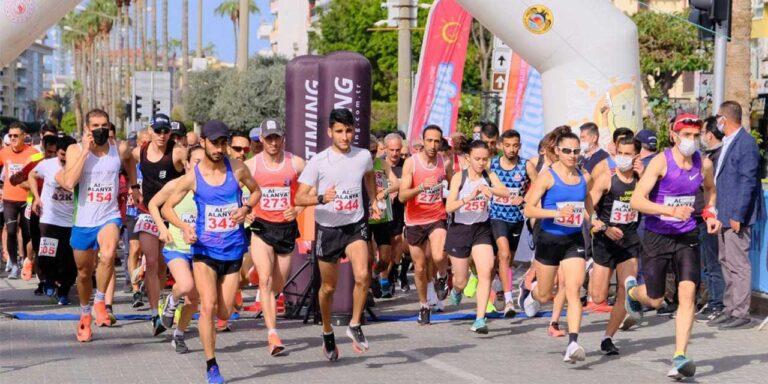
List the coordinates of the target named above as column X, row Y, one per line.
column 562, row 193
column 274, row 226
column 178, row 254
column 616, row 244
column 179, row 134
column 470, row 232
column 395, row 160
column 381, row 235
column 339, row 173
column 666, row 193
column 507, row 218
column 92, row 171
column 609, row 163
column 256, row 145
column 160, row 161
column 425, row 218
column 218, row 237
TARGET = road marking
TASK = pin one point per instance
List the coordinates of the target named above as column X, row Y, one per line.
column 445, row 367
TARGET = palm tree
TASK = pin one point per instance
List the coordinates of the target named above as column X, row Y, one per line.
column 208, row 50
column 143, row 33
column 199, row 29
column 184, row 46
column 231, row 9
column 166, row 54
column 737, row 70
column 153, row 42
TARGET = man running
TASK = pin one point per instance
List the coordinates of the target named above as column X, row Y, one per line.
column 421, row 189
column 395, row 160
column 92, row 171
column 616, row 244
column 666, row 193
column 274, row 227
column 386, row 183
column 218, row 237
column 160, row 161
column 339, row 173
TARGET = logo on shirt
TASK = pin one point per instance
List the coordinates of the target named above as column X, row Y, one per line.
column 286, row 182
column 517, row 177
column 691, row 178
column 162, row 174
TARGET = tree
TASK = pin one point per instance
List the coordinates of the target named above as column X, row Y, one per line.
column 69, row 123
column 166, row 42
column 737, row 69
column 184, row 48
column 482, row 42
column 203, row 92
column 231, row 9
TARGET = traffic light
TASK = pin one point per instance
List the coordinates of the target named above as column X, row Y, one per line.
column 137, row 106
column 708, row 14
column 155, row 107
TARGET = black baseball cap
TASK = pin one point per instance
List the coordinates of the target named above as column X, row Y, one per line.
column 648, row 138
column 178, row 128
column 160, row 121
column 271, row 127
column 215, row 129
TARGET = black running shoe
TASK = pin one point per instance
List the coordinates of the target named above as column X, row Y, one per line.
column 40, row 289
column 423, row 317
column 137, row 303
column 330, row 350
column 157, row 325
column 608, row 348
column 376, row 288
column 359, row 343
column 441, row 287
column 179, row 345
column 168, row 314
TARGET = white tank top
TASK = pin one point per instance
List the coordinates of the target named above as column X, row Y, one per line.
column 96, row 192
column 476, row 210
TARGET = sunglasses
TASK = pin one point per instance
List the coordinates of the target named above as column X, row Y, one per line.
column 568, row 151
column 161, row 130
column 239, row 149
column 12, row 135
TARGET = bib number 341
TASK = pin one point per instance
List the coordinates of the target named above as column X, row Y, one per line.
column 573, row 220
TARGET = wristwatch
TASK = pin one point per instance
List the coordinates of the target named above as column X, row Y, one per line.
column 320, row 199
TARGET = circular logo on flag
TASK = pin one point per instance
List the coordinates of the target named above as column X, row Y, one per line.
column 538, row 19
column 18, row 11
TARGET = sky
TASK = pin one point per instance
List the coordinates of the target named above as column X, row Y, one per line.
column 217, row 30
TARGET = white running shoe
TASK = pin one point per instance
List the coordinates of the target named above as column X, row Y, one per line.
column 530, row 305
column 574, row 353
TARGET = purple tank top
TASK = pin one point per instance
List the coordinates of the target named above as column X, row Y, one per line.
column 677, row 187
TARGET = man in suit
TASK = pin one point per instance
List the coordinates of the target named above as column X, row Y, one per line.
column 738, row 206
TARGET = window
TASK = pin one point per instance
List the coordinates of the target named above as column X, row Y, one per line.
column 758, row 9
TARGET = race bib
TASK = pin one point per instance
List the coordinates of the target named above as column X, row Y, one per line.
column 507, row 201
column 61, row 194
column 430, row 195
column 189, row 219
column 14, row 168
column 99, row 193
column 478, row 204
column 575, row 219
column 677, row 201
column 347, row 201
column 621, row 213
column 275, row 198
column 144, row 223
column 218, row 218
column 48, row 247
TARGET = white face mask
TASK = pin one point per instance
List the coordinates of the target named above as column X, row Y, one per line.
column 623, row 163
column 584, row 147
column 721, row 125
column 686, row 146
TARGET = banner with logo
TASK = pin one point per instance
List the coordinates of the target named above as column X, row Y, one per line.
column 522, row 107
column 437, row 93
column 302, row 108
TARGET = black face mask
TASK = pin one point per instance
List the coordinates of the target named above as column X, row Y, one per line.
column 100, row 136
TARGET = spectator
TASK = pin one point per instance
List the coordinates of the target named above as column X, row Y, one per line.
column 738, row 206
column 591, row 152
column 648, row 144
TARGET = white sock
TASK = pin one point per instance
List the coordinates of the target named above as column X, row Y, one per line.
column 606, row 337
column 99, row 296
column 272, row 332
column 508, row 296
column 178, row 333
column 172, row 302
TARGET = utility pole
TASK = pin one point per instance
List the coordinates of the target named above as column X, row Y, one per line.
column 242, row 40
column 404, row 65
column 199, row 53
column 718, row 88
column 709, row 15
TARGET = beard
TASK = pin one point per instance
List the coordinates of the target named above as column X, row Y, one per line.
column 214, row 158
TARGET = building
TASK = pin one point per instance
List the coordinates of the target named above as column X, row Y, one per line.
column 289, row 32
column 60, row 62
column 22, row 82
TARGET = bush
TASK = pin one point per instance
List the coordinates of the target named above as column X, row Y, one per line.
column 383, row 117
column 69, row 123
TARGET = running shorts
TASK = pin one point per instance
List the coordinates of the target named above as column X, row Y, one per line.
column 280, row 236
column 381, row 233
column 331, row 242
column 418, row 234
column 169, row 255
column 609, row 254
column 86, row 238
column 130, row 227
column 221, row 267
column 552, row 249
column 461, row 238
column 510, row 231
column 680, row 252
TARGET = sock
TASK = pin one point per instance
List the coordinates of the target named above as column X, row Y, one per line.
column 441, row 275
column 354, row 325
column 178, row 333
column 508, row 296
column 272, row 332
column 327, row 333
column 606, row 337
column 109, row 307
column 424, row 305
column 678, row 353
column 210, row 363
column 573, row 338
column 99, row 297
column 85, row 309
column 172, row 302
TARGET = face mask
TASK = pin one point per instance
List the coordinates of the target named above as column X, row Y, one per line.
column 721, row 125
column 686, row 146
column 100, row 136
column 584, row 147
column 623, row 163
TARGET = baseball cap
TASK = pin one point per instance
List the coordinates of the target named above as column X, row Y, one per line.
column 178, row 128
column 270, row 127
column 648, row 138
column 687, row 120
column 255, row 134
column 160, row 121
column 215, row 129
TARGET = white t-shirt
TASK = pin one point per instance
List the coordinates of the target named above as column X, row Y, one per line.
column 57, row 203
column 345, row 171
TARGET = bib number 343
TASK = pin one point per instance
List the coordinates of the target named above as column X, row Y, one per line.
column 218, row 218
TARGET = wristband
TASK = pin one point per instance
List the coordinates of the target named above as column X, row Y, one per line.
column 709, row 212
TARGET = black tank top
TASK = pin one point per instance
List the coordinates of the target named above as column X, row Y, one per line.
column 156, row 175
column 613, row 208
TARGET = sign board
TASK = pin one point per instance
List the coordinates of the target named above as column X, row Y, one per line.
column 498, row 81
column 199, row 64
column 153, row 86
column 500, row 61
column 497, row 43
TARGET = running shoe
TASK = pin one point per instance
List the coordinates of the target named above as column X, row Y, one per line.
column 102, row 317
column 633, row 307
column 8, row 266
column 490, row 308
column 40, row 290
column 628, row 323
column 479, row 326
column 223, row 326
column 276, row 347
column 603, row 307
column 214, row 376
column 471, row 288
column 439, row 306
column 157, row 325
column 510, row 311
column 707, row 314
column 359, row 343
column 522, row 294
column 179, row 344
column 423, row 317
column 26, row 270
column 530, row 305
column 112, row 318
column 49, row 289
column 376, row 288
column 607, row 347
column 15, row 273
column 553, row 330
column 137, row 303
column 386, row 289
column 441, row 287
column 63, row 300
column 238, row 300
column 682, row 367
column 455, row 297
column 84, row 331
column 330, row 350
column 168, row 313
column 574, row 353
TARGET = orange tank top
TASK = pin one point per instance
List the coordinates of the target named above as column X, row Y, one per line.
column 428, row 206
column 278, row 188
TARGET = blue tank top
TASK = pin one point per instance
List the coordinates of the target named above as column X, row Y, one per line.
column 516, row 181
column 218, row 237
column 563, row 194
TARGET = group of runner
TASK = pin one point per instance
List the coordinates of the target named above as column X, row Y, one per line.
column 456, row 209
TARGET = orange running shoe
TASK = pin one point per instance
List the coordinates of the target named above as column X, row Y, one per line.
column 256, row 307
column 102, row 316
column 280, row 304
column 84, row 332
column 594, row 307
column 26, row 270
column 238, row 300
column 276, row 347
column 554, row 330
column 223, row 326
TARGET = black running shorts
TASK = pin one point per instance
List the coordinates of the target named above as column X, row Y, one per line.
column 552, row 249
column 331, row 242
column 280, row 236
column 681, row 252
column 461, row 238
column 510, row 231
column 609, row 254
column 222, row 267
column 418, row 234
column 381, row 233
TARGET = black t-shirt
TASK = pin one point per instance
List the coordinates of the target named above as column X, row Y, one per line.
column 589, row 163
